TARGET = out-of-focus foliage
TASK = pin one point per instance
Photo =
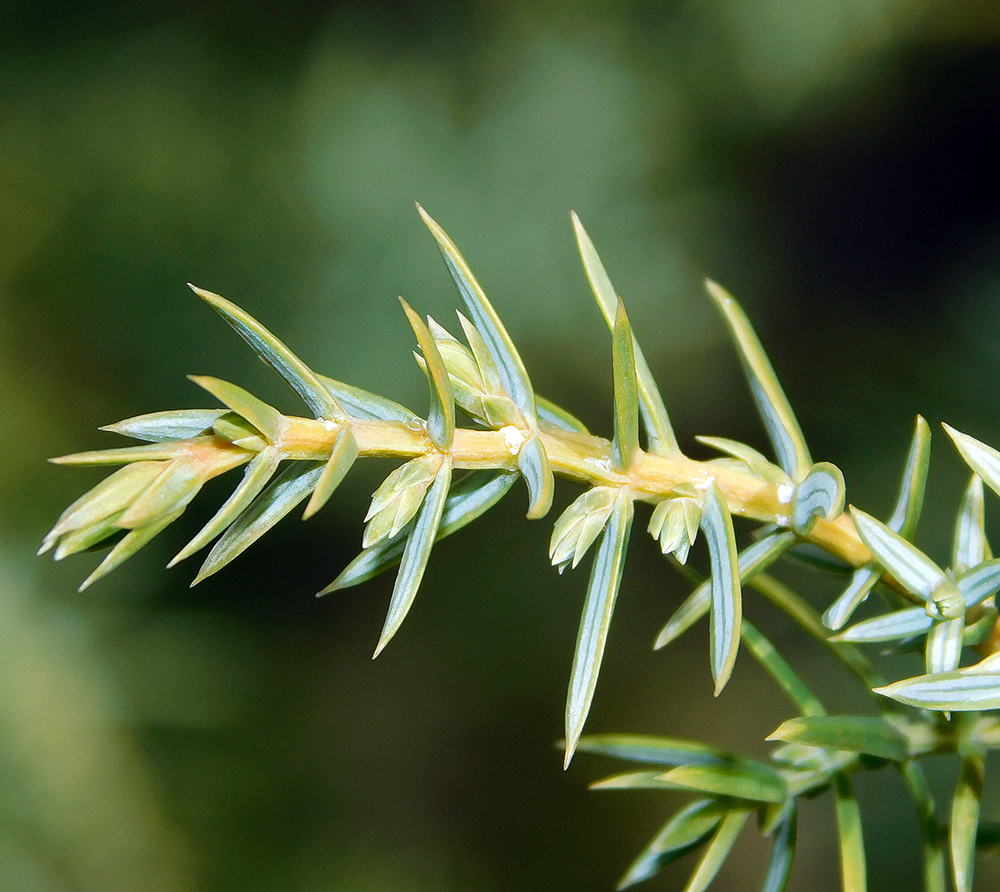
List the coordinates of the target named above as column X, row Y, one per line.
column 829, row 161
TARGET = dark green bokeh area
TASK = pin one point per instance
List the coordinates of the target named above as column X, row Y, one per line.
column 831, row 162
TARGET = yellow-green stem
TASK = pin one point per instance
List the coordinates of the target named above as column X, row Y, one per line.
column 587, row 459
column 582, row 457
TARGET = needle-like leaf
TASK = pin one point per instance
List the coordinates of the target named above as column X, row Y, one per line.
column 979, row 583
column 110, row 497
column 289, row 488
column 717, row 850
column 685, row 831
column 161, row 427
column 653, row 750
column 481, row 401
column 820, row 495
column 932, row 856
column 911, row 491
column 579, row 525
column 240, row 432
column 605, row 579
column 255, row 478
column 907, row 563
column 129, row 545
column 742, row 779
column 364, row 404
column 87, row 537
column 303, row 380
column 469, row 498
column 415, row 555
column 634, row 780
column 265, row 418
column 509, row 365
column 779, row 420
column 752, row 560
column 943, row 651
column 459, row 359
column 126, row 454
column 965, row 806
column 970, row 546
column 852, row 847
column 959, row 691
column 852, row 733
column 659, row 433
column 167, row 495
column 555, row 416
column 674, row 523
column 489, row 373
column 534, row 466
column 626, row 441
column 726, row 613
column 779, row 868
column 396, row 501
column 975, row 586
column 903, row 521
column 888, row 627
column 983, row 459
column 863, row 580
column 342, row 456
column 441, row 418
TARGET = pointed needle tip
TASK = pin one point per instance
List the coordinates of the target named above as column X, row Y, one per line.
column 570, row 744
column 205, row 294
column 716, row 292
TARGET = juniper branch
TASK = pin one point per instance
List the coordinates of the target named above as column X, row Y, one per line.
column 516, row 433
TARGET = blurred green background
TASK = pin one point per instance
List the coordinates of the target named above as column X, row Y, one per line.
column 831, row 162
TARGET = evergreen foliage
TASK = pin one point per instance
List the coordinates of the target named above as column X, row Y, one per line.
column 450, row 475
